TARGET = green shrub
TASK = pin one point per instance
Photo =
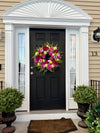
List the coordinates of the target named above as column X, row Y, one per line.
column 85, row 94
column 93, row 119
column 10, row 99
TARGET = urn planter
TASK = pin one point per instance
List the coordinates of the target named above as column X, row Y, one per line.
column 8, row 119
column 82, row 109
column 10, row 100
column 84, row 96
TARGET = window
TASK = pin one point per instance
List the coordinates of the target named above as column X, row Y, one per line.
column 72, row 63
column 21, row 62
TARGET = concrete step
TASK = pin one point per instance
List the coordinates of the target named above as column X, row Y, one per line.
column 45, row 115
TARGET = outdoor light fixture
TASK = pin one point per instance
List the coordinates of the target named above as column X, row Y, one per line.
column 0, row 34
column 96, row 35
column 0, row 66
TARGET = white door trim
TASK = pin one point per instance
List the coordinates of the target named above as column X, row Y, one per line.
column 11, row 68
column 25, row 105
column 72, row 104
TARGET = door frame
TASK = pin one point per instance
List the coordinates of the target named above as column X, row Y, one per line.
column 83, row 77
column 14, row 18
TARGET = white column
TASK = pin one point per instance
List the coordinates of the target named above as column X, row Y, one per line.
column 84, row 56
column 9, row 55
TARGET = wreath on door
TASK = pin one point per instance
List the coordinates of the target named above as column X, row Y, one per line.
column 47, row 57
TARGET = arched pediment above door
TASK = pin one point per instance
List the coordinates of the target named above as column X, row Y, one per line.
column 45, row 9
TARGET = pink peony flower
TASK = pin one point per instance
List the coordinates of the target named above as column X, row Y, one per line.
column 49, row 67
column 58, row 54
column 43, row 56
column 50, row 53
column 46, row 62
column 35, row 60
column 55, row 56
column 38, row 57
column 45, row 48
column 52, row 57
column 51, row 47
column 55, row 63
column 58, row 57
column 49, row 60
column 40, row 60
column 42, row 65
column 56, row 51
column 40, row 50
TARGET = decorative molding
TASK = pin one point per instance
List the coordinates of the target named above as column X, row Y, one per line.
column 50, row 9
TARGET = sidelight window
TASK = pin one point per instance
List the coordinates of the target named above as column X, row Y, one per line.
column 21, row 63
column 72, row 63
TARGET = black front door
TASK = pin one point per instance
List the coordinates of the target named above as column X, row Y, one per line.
column 47, row 91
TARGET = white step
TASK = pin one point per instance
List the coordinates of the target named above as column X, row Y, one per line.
column 45, row 115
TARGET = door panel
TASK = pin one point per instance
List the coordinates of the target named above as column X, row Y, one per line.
column 47, row 91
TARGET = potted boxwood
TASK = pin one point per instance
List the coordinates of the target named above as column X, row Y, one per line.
column 10, row 99
column 84, row 96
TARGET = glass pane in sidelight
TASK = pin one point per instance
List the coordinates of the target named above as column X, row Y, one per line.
column 21, row 56
column 72, row 63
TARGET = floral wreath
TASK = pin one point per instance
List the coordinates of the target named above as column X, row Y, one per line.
column 47, row 57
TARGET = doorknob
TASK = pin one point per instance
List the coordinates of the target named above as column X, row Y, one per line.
column 31, row 73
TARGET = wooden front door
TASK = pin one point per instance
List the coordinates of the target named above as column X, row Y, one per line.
column 47, row 91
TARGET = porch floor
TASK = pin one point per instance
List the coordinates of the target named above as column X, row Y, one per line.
column 21, row 127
